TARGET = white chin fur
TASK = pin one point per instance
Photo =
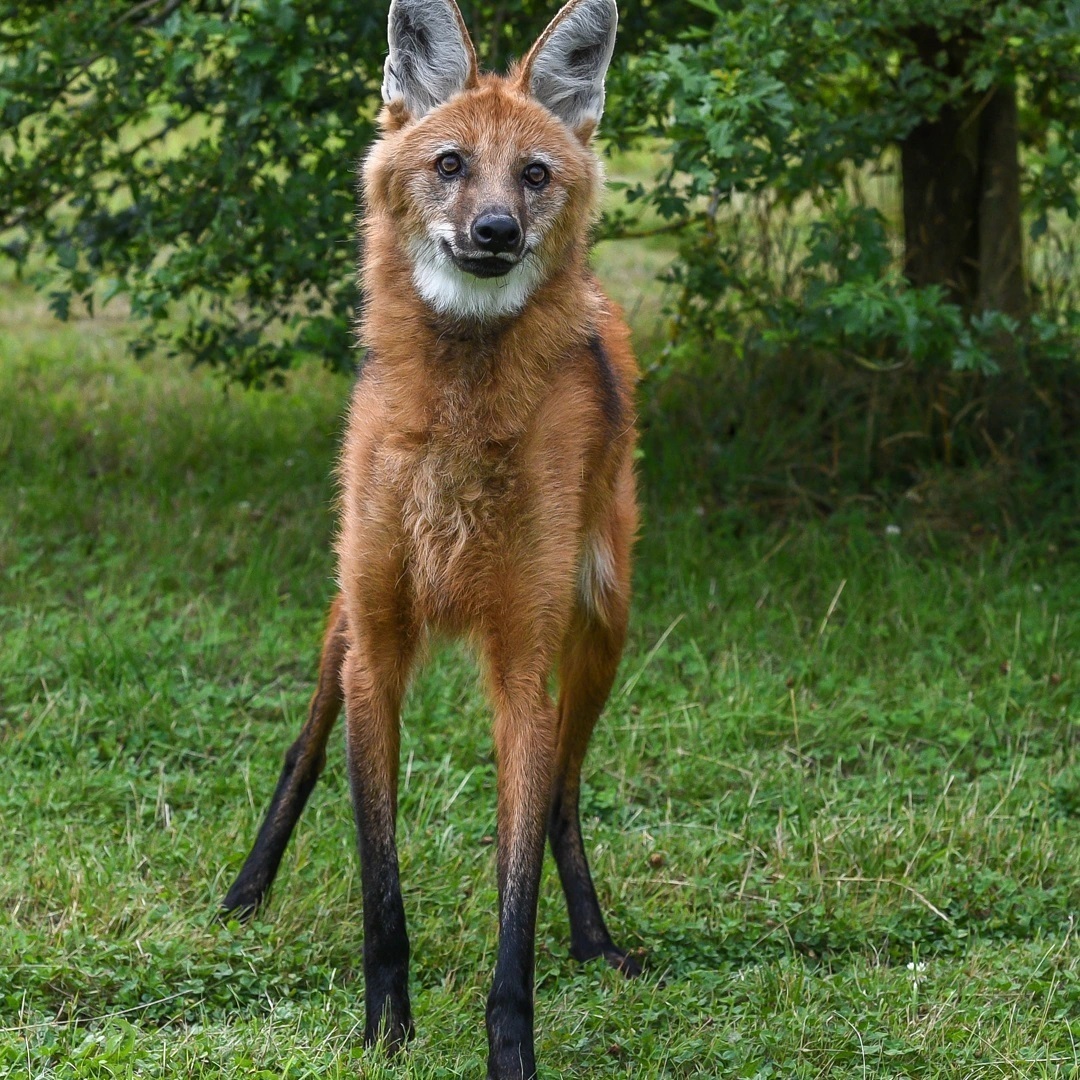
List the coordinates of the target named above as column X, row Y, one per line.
column 451, row 291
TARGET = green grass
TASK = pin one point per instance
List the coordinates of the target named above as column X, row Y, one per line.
column 835, row 797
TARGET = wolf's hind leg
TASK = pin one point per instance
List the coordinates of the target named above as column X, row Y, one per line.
column 304, row 762
column 587, row 670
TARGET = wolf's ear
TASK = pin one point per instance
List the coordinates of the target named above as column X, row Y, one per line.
column 565, row 69
column 431, row 57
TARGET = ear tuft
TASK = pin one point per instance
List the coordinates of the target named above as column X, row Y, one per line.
column 565, row 69
column 431, row 57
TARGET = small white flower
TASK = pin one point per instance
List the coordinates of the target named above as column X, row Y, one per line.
column 893, row 530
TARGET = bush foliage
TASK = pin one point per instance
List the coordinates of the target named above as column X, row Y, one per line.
column 199, row 158
column 786, row 126
column 780, row 105
column 205, row 152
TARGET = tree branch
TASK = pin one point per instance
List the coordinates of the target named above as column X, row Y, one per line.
column 658, row 230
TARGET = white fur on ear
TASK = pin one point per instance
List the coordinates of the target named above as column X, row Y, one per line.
column 431, row 57
column 567, row 65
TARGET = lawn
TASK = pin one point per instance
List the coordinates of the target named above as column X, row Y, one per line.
column 835, row 798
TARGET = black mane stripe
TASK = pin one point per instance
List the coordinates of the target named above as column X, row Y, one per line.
column 611, row 400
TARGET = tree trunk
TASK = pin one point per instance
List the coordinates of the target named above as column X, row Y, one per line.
column 939, row 163
column 1001, row 249
column 961, row 194
column 962, row 227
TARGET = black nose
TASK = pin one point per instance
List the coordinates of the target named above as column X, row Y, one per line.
column 496, row 233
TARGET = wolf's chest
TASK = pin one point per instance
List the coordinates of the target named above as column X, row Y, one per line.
column 457, row 500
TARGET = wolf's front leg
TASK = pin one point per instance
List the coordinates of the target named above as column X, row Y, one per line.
column 374, row 682
column 525, row 734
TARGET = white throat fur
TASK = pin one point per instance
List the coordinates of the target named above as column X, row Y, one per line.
column 451, row 291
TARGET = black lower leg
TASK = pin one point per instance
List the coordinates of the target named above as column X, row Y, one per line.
column 303, row 764
column 511, row 1055
column 589, row 936
column 386, row 942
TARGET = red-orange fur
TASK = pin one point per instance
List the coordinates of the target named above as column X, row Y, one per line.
column 476, row 468
column 487, row 490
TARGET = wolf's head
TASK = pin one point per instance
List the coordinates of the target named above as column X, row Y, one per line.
column 487, row 183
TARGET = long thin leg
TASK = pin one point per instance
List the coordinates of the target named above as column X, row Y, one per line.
column 586, row 672
column 376, row 671
column 525, row 723
column 303, row 764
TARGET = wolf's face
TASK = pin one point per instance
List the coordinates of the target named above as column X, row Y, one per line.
column 487, row 189
column 486, row 193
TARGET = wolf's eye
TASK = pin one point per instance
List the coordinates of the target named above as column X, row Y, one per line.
column 536, row 175
column 449, row 165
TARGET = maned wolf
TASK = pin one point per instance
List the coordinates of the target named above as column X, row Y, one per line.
column 487, row 487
